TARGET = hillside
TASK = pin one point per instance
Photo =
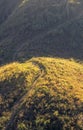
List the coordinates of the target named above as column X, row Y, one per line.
column 6, row 9
column 41, row 94
column 40, row 28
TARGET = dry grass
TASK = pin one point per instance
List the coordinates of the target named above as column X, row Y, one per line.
column 58, row 92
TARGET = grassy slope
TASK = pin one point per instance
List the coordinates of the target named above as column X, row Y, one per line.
column 41, row 28
column 55, row 100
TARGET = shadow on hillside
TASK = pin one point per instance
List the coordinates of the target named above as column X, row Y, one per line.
column 24, row 59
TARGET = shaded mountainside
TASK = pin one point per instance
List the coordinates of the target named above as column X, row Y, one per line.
column 40, row 28
column 41, row 94
column 6, row 9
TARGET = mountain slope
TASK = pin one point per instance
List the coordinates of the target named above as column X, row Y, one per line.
column 6, row 9
column 42, row 94
column 41, row 28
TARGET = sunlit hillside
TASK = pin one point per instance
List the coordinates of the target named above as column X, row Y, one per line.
column 41, row 94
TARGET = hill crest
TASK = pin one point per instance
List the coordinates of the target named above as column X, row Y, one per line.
column 49, row 89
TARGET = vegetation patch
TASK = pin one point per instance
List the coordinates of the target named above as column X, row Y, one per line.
column 42, row 93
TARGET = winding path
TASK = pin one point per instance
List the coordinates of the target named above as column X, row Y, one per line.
column 18, row 105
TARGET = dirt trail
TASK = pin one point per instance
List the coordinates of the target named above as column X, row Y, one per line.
column 18, row 105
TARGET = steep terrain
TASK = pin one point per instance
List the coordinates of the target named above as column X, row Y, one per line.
column 40, row 28
column 6, row 9
column 41, row 94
